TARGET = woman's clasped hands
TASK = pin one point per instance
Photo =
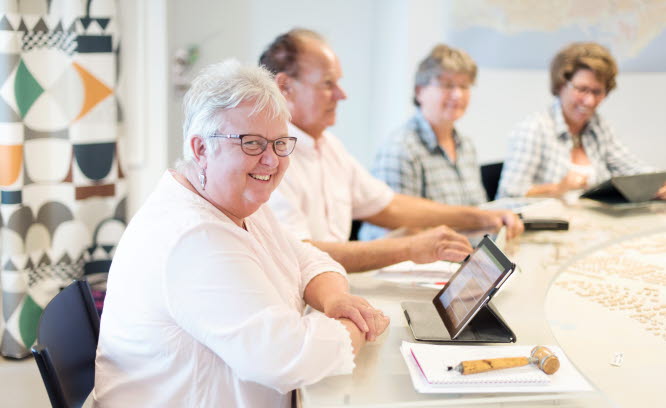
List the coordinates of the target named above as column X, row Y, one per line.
column 369, row 320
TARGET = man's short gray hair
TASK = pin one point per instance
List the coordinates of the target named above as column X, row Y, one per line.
column 222, row 86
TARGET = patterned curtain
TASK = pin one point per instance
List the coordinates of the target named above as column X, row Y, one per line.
column 63, row 193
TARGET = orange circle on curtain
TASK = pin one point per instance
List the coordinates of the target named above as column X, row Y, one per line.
column 11, row 161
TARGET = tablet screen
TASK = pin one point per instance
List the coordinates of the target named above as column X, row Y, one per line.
column 472, row 285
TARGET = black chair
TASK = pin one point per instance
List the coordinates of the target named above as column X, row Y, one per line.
column 66, row 344
column 356, row 226
column 490, row 177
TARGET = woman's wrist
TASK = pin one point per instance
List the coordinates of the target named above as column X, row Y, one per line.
column 547, row 190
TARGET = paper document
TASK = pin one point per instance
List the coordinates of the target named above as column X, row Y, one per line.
column 530, row 207
column 433, row 362
column 434, row 274
column 428, row 363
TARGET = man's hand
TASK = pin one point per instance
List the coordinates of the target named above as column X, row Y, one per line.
column 439, row 243
column 369, row 320
column 514, row 225
column 495, row 219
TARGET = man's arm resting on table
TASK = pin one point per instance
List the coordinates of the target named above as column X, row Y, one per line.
column 416, row 212
column 360, row 256
column 440, row 243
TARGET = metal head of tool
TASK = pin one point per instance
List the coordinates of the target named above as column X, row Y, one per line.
column 544, row 358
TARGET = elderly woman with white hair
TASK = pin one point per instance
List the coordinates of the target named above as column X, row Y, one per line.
column 206, row 293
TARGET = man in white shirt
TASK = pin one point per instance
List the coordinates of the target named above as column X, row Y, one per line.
column 326, row 188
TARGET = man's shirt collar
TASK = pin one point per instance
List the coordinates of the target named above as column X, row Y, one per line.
column 305, row 141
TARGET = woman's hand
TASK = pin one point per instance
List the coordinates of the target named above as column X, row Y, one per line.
column 369, row 320
column 661, row 193
column 572, row 181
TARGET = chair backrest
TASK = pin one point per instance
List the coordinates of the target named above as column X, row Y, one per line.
column 356, row 226
column 66, row 344
column 490, row 177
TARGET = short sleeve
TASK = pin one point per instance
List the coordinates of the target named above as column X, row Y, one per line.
column 369, row 194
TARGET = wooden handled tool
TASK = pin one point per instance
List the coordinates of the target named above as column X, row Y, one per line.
column 541, row 356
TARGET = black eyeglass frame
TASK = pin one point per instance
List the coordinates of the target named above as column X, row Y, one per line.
column 263, row 146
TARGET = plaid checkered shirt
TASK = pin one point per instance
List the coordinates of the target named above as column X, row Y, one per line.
column 540, row 153
column 411, row 162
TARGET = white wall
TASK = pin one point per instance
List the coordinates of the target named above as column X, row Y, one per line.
column 242, row 29
column 142, row 92
column 636, row 110
column 379, row 43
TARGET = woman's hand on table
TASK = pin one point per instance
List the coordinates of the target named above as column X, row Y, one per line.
column 572, row 181
column 369, row 320
column 661, row 193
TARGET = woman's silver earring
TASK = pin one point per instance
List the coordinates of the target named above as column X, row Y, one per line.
column 202, row 179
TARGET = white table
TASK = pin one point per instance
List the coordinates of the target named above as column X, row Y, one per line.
column 551, row 299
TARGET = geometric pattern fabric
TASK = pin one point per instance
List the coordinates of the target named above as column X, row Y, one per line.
column 62, row 187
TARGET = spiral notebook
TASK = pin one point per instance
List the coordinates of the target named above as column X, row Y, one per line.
column 427, row 365
column 434, row 360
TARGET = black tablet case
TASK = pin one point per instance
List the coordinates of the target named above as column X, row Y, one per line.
column 627, row 189
column 486, row 327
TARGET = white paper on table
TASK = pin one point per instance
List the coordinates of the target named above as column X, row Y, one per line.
column 566, row 379
column 529, row 207
column 411, row 273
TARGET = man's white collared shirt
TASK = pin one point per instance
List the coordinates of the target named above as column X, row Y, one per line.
column 324, row 189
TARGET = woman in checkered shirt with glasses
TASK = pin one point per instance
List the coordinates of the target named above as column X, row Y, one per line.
column 569, row 147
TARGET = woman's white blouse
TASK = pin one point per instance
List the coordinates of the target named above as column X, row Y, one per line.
column 200, row 312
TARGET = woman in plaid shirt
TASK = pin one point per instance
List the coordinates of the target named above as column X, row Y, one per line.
column 569, row 147
column 427, row 157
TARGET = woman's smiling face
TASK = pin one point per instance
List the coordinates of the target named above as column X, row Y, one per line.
column 237, row 183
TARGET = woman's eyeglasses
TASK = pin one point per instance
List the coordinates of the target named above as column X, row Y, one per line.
column 584, row 90
column 254, row 145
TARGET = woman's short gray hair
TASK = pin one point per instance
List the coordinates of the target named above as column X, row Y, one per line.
column 226, row 85
column 441, row 59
